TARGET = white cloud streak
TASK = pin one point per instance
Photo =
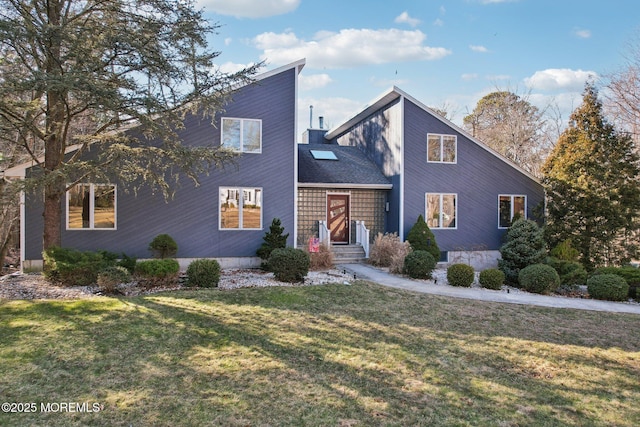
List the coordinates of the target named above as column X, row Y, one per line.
column 348, row 48
column 249, row 8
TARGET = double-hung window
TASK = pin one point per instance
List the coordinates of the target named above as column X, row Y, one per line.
column 441, row 148
column 510, row 205
column 91, row 207
column 242, row 135
column 240, row 208
column 442, row 210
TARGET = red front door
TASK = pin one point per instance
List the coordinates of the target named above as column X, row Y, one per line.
column 338, row 217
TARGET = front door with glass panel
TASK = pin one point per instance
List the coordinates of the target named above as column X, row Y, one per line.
column 338, row 217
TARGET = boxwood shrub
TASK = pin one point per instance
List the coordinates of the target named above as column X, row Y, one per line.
column 203, row 273
column 491, row 279
column 419, row 264
column 461, row 275
column 608, row 287
column 157, row 268
column 289, row 264
column 539, row 279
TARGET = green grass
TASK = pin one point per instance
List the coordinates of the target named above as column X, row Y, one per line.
column 335, row 355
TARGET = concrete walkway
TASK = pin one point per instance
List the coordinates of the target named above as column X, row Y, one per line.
column 367, row 272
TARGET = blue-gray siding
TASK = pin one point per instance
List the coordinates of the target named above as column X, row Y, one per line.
column 191, row 218
column 478, row 177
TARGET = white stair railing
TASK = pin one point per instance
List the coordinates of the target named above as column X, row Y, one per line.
column 362, row 237
column 323, row 233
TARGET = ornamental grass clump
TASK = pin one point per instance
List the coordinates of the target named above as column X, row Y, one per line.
column 203, row 273
column 419, row 265
column 388, row 251
column 289, row 264
column 609, row 287
column 539, row 279
column 461, row 275
column 491, row 278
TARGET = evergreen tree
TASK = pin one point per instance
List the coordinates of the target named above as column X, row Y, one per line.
column 78, row 72
column 524, row 246
column 421, row 238
column 273, row 239
column 592, row 184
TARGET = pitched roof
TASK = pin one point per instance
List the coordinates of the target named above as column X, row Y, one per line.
column 395, row 93
column 350, row 169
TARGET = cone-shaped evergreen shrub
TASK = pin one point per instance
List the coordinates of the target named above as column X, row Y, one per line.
column 422, row 239
column 163, row 246
column 524, row 246
column 273, row 239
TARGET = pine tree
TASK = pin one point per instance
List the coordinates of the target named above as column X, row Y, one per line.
column 592, row 184
column 421, row 238
column 273, row 239
column 524, row 246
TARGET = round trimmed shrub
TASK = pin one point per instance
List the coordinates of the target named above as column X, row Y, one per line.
column 419, row 264
column 163, row 246
column 539, row 279
column 491, row 279
column 609, row 287
column 289, row 264
column 461, row 275
column 203, row 273
column 111, row 277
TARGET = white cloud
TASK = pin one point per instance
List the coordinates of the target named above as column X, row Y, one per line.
column 438, row 23
column 559, row 79
column 231, row 67
column 582, row 33
column 249, row 8
column 469, row 76
column 334, row 110
column 228, row 41
column 480, row 49
column 404, row 18
column 314, row 81
column 348, row 48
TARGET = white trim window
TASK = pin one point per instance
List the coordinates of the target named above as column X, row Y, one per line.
column 91, row 207
column 510, row 205
column 242, row 135
column 240, row 208
column 442, row 148
column 441, row 210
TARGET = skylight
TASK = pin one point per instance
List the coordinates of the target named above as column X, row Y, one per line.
column 323, row 155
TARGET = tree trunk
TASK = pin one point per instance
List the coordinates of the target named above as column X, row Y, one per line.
column 55, row 137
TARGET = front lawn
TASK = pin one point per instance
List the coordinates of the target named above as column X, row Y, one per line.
column 334, row 355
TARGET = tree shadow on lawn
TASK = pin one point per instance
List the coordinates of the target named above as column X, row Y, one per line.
column 314, row 356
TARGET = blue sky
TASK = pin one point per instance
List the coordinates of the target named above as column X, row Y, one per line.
column 447, row 54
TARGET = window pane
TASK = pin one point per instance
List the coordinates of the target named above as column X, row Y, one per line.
column 251, row 138
column 252, row 209
column 433, row 148
column 449, row 148
column 79, row 204
column 448, row 211
column 519, row 206
column 231, row 133
column 104, row 206
column 229, row 212
column 505, row 211
column 433, row 210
